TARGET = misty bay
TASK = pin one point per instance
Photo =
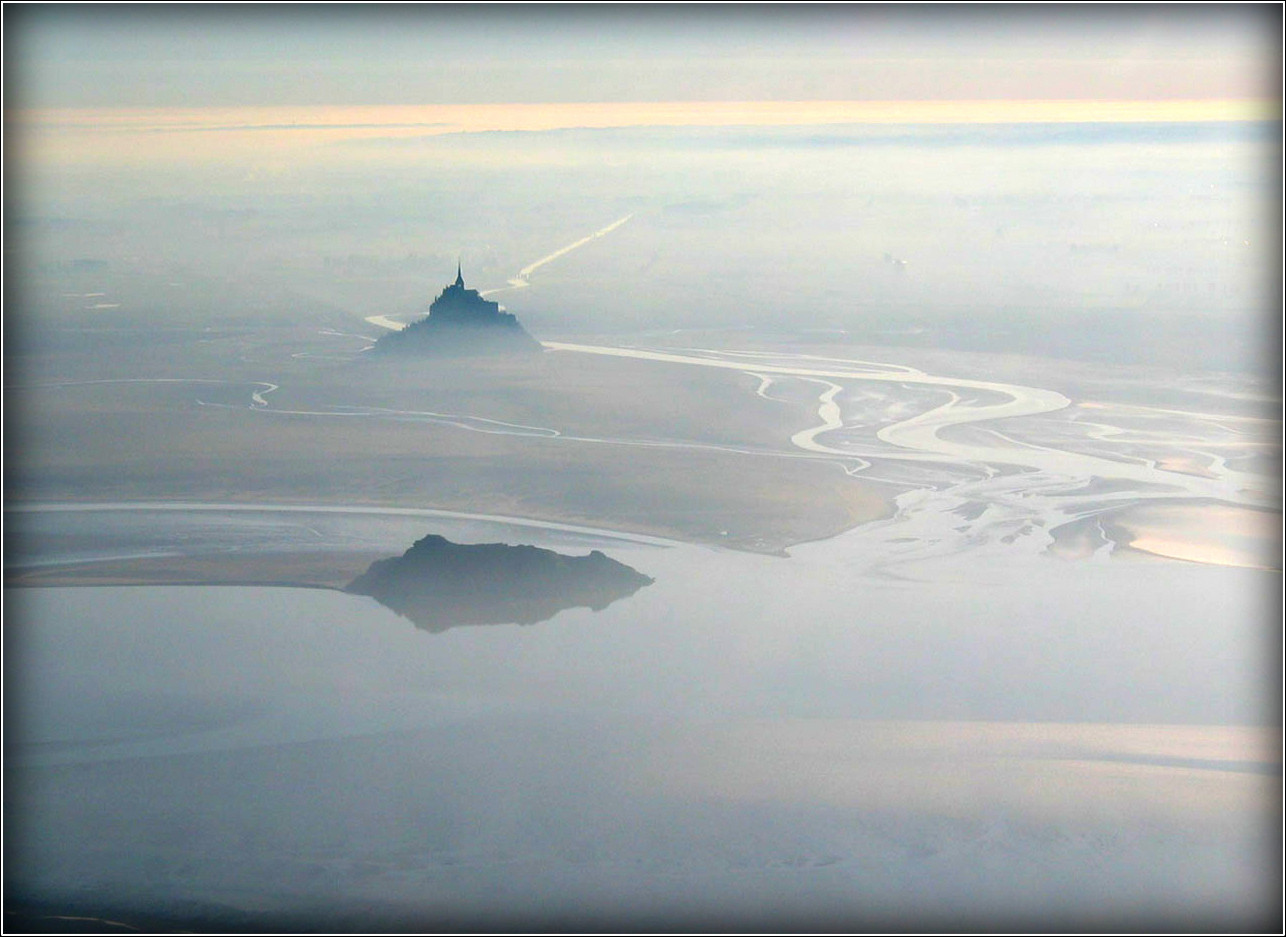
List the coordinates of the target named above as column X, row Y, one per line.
column 872, row 415
column 777, row 725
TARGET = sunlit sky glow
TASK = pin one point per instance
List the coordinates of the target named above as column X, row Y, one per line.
column 97, row 135
column 110, row 56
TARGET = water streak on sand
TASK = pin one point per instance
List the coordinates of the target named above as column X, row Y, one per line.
column 256, row 397
column 384, row 322
column 828, row 412
column 521, row 281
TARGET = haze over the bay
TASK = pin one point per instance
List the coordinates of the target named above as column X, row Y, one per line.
column 832, row 139
column 873, row 521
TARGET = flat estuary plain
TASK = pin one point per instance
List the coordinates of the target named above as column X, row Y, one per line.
column 934, row 640
column 757, row 446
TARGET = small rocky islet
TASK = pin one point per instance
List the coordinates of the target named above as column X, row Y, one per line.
column 438, row 584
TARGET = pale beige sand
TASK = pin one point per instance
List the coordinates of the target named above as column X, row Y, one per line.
column 1219, row 534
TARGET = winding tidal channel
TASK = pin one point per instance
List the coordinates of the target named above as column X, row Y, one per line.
column 1014, row 486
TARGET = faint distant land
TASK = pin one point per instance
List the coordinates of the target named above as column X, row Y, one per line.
column 460, row 322
column 439, row 584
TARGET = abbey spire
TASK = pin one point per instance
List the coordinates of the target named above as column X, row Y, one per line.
column 459, row 277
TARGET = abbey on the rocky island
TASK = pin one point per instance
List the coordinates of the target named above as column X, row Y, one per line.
column 458, row 303
column 460, row 322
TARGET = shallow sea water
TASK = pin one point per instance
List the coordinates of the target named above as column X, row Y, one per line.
column 751, row 740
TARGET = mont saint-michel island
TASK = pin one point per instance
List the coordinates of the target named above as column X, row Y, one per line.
column 460, row 322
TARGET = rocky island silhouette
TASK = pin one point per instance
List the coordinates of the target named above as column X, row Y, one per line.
column 438, row 584
column 460, row 322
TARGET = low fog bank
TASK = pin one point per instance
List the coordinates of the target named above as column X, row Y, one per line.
column 1127, row 244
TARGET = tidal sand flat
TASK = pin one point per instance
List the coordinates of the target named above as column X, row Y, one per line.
column 968, row 707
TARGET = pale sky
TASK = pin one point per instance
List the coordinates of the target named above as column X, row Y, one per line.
column 106, row 56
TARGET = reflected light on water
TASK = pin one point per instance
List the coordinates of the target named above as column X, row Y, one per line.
column 1043, row 772
column 1216, row 534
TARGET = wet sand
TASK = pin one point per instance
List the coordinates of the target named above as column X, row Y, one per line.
column 301, row 570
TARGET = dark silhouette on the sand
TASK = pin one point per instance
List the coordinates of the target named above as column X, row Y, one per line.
column 460, row 322
column 439, row 584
